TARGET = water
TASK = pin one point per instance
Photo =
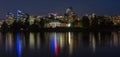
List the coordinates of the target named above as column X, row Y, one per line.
column 60, row 44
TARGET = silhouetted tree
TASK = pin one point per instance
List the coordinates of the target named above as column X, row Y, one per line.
column 42, row 23
column 4, row 26
column 85, row 21
column 27, row 22
column 95, row 22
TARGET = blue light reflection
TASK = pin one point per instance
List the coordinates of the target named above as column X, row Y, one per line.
column 52, row 45
column 18, row 45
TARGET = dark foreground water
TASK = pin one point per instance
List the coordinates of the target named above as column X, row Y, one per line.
column 60, row 44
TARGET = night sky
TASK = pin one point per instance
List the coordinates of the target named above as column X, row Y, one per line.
column 42, row 7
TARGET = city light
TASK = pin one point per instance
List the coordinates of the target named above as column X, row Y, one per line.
column 19, row 11
column 9, row 13
column 69, row 24
column 60, row 28
column 67, row 21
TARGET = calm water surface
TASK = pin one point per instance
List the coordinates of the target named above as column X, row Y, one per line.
column 60, row 44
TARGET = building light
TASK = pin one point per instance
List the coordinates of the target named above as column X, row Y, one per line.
column 69, row 25
column 19, row 11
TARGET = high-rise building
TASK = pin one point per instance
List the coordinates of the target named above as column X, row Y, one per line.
column 69, row 11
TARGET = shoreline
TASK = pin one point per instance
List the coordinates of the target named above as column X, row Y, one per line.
column 64, row 30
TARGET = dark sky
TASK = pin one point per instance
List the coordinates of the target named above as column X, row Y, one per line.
column 42, row 7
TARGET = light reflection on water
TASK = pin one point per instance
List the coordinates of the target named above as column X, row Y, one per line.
column 32, row 41
column 57, row 43
column 92, row 41
column 18, row 45
column 9, row 41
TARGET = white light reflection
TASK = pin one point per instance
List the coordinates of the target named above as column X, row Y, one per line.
column 9, row 41
column 115, row 38
column 69, row 38
column 70, row 41
column 32, row 40
column 62, row 39
column 92, row 42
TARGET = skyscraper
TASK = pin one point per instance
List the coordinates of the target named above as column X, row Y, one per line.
column 69, row 11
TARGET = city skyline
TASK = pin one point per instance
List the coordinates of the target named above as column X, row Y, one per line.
column 43, row 7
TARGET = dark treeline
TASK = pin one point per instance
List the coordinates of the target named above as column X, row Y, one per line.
column 96, row 22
